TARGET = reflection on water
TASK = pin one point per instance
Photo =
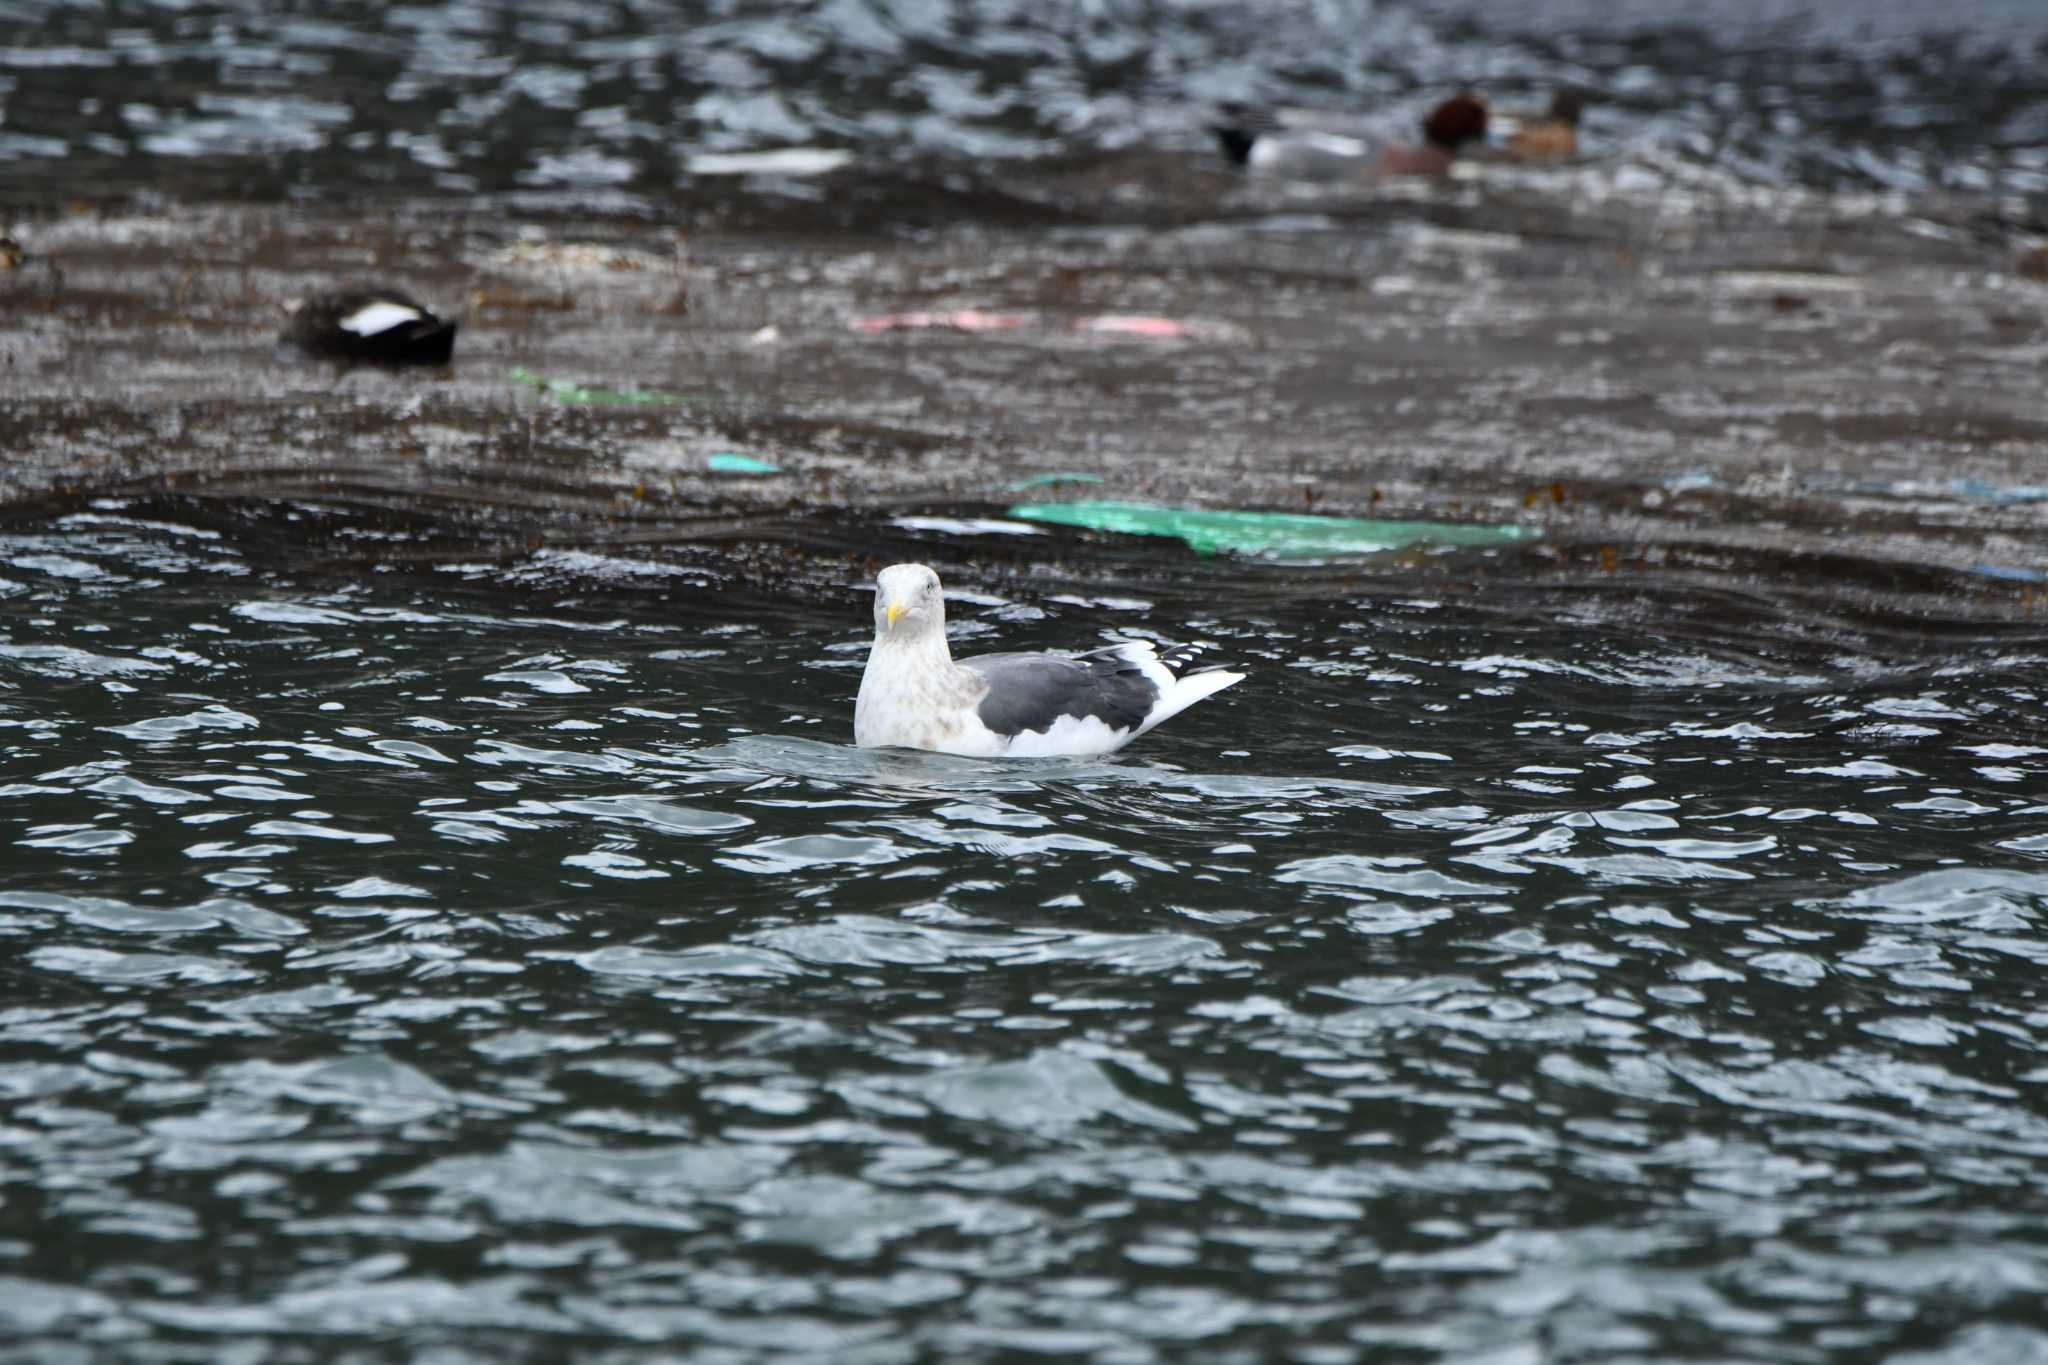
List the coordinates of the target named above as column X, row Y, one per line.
column 394, row 963
column 609, row 105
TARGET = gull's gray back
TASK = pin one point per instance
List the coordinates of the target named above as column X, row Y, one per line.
column 1032, row 691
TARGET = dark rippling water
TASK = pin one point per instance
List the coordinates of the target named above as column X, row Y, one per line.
column 607, row 104
column 513, row 960
column 458, row 968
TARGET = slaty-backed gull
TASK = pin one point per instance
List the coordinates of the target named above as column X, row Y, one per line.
column 915, row 696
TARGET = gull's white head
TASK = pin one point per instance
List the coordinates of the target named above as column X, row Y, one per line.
column 909, row 603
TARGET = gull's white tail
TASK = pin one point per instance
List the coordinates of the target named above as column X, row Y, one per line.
column 1177, row 691
column 1186, row 691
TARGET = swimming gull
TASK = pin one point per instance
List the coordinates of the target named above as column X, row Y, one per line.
column 915, row 696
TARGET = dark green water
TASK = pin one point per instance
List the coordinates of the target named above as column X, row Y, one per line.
column 1624, row 949
column 478, row 965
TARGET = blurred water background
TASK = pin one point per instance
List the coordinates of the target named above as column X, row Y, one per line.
column 608, row 104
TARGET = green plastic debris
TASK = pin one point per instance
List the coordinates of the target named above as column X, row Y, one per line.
column 732, row 462
column 1052, row 481
column 569, row 391
column 1276, row 535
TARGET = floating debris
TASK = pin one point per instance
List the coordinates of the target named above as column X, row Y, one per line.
column 732, row 462
column 1791, row 282
column 576, row 258
column 569, row 391
column 1052, row 480
column 1921, row 490
column 770, row 161
column 1979, row 490
column 2009, row 573
column 1148, row 328
column 1102, row 324
column 965, row 526
column 1275, row 535
column 957, row 320
column 1125, row 324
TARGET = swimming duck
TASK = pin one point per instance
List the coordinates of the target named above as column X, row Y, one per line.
column 1550, row 136
column 372, row 323
column 1306, row 144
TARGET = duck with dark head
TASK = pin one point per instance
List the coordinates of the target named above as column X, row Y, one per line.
column 1306, row 144
column 371, row 323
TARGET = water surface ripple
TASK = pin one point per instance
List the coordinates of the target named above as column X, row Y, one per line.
column 414, row 971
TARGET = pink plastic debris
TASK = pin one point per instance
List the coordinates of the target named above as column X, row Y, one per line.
column 1100, row 324
column 958, row 319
